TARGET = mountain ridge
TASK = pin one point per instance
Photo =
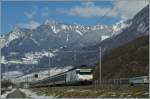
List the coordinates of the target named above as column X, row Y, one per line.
column 40, row 40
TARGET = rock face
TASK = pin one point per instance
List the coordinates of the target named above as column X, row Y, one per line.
column 27, row 48
column 139, row 27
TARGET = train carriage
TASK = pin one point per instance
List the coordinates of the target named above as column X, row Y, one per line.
column 73, row 76
column 139, row 80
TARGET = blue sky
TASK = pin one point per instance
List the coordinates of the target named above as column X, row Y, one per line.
column 30, row 14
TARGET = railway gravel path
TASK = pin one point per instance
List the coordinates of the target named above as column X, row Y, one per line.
column 16, row 94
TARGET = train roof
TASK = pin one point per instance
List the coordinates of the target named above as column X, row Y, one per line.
column 80, row 67
column 139, row 77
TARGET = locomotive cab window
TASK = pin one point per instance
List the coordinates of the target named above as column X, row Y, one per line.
column 84, row 72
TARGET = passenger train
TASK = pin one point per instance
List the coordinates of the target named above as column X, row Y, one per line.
column 139, row 80
column 77, row 75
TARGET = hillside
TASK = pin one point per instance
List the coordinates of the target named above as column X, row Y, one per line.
column 127, row 60
column 138, row 27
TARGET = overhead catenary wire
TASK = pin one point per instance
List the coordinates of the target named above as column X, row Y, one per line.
column 77, row 51
column 100, row 49
column 103, row 16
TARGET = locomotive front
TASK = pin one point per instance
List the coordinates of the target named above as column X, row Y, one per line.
column 84, row 74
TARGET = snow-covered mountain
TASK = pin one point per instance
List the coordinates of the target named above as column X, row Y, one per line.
column 59, row 34
column 22, row 42
column 134, row 28
column 25, row 46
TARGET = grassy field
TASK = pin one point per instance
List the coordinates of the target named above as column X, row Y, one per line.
column 105, row 91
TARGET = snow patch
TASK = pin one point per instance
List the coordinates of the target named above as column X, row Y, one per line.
column 12, row 36
column 30, row 58
column 38, row 55
column 2, row 60
column 67, row 37
column 120, row 26
column 35, row 41
column 54, row 29
column 103, row 37
column 2, row 41
column 64, row 27
column 12, row 74
column 17, row 33
column 7, row 92
column 142, row 27
column 79, row 32
column 32, row 94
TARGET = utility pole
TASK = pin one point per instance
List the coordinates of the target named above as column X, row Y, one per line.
column 0, row 65
column 100, row 67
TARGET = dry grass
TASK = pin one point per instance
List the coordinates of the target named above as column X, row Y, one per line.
column 140, row 91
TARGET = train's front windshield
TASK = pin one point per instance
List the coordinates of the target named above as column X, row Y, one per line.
column 84, row 71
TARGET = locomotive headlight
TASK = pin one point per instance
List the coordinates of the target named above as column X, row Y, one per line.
column 85, row 77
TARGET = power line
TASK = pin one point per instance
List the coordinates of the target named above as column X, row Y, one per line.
column 105, row 14
column 78, row 51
